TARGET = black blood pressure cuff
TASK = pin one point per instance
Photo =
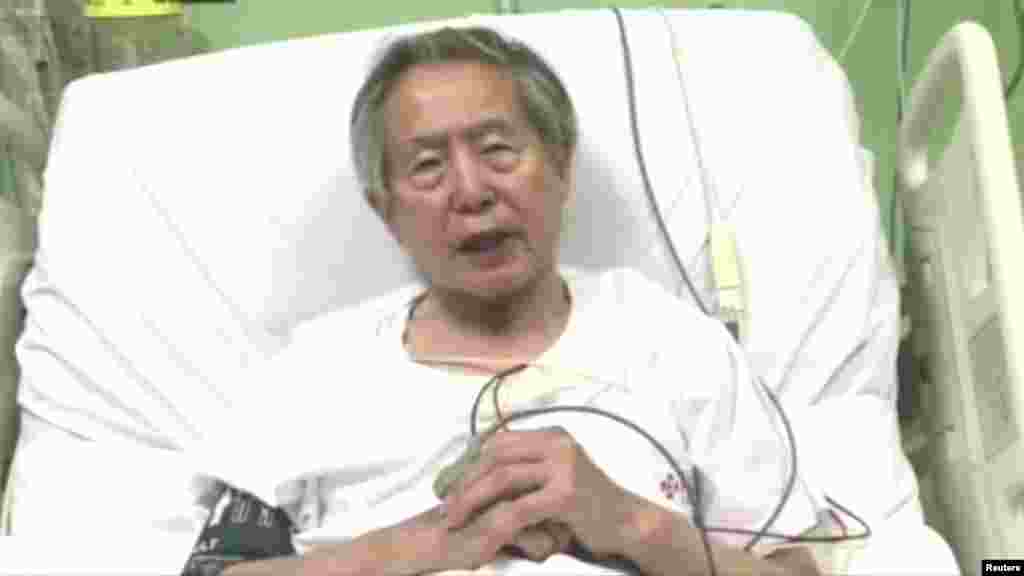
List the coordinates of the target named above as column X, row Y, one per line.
column 240, row 528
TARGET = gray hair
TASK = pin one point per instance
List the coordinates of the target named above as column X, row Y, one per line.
column 545, row 101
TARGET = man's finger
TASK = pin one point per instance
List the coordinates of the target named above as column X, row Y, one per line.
column 562, row 534
column 501, row 484
column 537, row 543
column 504, row 449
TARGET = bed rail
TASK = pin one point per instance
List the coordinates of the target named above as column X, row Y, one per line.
column 963, row 210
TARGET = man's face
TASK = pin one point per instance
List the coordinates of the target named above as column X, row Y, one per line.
column 475, row 198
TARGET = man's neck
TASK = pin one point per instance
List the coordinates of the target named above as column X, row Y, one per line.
column 536, row 309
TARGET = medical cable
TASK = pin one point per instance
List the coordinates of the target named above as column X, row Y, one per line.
column 630, row 81
column 902, row 58
column 902, row 50
column 855, row 32
column 696, row 501
column 627, row 58
column 498, row 380
column 695, row 491
column 710, row 198
column 726, row 275
column 495, row 382
column 637, row 149
column 1018, row 14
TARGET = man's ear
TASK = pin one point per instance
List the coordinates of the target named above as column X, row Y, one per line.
column 381, row 205
column 375, row 202
column 568, row 177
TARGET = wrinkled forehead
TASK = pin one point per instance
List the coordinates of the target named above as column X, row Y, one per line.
column 457, row 98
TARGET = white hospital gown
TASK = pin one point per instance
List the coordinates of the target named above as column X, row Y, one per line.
column 370, row 429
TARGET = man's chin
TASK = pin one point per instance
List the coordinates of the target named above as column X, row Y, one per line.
column 493, row 285
column 495, row 291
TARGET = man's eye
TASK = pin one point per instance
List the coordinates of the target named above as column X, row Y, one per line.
column 497, row 148
column 426, row 165
column 501, row 157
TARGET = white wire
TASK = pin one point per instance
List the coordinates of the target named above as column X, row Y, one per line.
column 507, row 7
column 856, row 30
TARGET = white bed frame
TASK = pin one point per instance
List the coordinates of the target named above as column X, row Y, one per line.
column 966, row 280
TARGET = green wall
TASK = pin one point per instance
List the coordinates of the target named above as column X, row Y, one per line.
column 246, row 22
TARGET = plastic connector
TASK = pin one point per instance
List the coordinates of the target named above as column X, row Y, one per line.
column 728, row 280
column 452, row 474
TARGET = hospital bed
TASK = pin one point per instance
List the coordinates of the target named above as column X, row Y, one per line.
column 198, row 210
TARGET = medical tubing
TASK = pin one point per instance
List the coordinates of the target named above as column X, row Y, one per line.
column 499, row 377
column 855, row 32
column 630, row 81
column 1018, row 13
column 637, row 149
column 710, row 199
column 788, row 492
column 902, row 43
column 627, row 58
column 902, row 51
column 697, row 500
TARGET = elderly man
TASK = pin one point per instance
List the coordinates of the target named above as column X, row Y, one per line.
column 465, row 142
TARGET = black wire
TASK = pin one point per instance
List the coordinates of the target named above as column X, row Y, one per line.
column 637, row 149
column 696, row 487
column 792, row 471
column 903, row 60
column 1018, row 11
column 497, row 379
column 648, row 189
column 696, row 502
column 866, row 533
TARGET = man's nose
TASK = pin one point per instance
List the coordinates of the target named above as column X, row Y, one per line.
column 471, row 192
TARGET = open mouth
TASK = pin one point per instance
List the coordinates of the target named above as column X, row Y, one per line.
column 484, row 242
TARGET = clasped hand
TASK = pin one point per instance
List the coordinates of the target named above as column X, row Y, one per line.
column 536, row 492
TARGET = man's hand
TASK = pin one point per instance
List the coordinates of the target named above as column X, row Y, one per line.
column 484, row 539
column 525, row 481
column 424, row 544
